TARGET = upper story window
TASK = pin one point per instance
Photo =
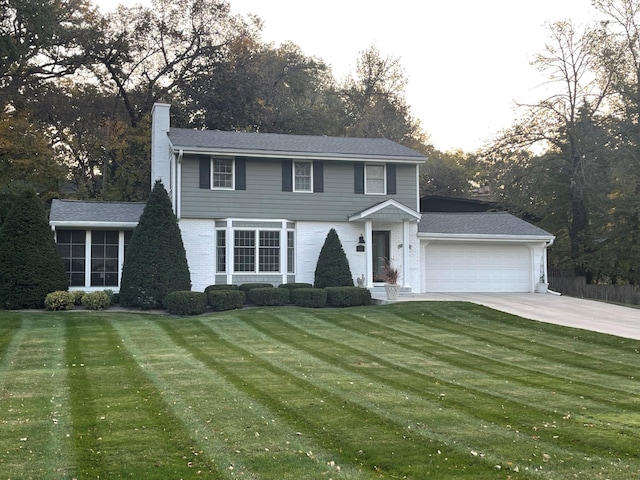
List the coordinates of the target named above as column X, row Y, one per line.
column 375, row 179
column 302, row 177
column 222, row 173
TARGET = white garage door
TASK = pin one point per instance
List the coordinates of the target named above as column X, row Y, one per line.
column 477, row 268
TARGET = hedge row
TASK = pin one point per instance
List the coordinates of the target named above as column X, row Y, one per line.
column 63, row 300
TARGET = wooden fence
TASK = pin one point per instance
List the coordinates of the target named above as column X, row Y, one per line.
column 577, row 287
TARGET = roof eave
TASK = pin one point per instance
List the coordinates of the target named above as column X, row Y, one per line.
column 190, row 149
column 91, row 224
column 461, row 237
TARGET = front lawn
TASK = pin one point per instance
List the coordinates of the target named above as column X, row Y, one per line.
column 413, row 390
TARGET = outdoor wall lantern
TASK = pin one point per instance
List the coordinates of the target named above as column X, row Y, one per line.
column 360, row 246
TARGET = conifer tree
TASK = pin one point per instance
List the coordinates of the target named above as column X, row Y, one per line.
column 30, row 264
column 332, row 269
column 155, row 262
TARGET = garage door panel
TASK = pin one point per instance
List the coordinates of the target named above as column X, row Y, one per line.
column 477, row 268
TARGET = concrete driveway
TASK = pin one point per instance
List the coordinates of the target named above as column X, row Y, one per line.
column 571, row 312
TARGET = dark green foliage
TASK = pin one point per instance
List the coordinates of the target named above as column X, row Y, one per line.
column 347, row 296
column 60, row 300
column 293, row 286
column 268, row 296
column 30, row 264
column 77, row 296
column 245, row 287
column 155, row 262
column 220, row 287
column 221, row 300
column 309, row 297
column 96, row 300
column 185, row 303
column 332, row 269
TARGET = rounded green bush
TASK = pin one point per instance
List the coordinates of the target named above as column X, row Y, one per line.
column 77, row 296
column 221, row 300
column 269, row 296
column 221, row 287
column 293, row 286
column 309, row 297
column 245, row 287
column 96, row 301
column 184, row 302
column 59, row 300
column 348, row 296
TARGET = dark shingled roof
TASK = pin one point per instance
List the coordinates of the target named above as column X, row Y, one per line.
column 478, row 223
column 84, row 211
column 275, row 143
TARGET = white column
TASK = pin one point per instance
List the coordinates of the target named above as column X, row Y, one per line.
column 405, row 254
column 229, row 250
column 283, row 251
column 368, row 238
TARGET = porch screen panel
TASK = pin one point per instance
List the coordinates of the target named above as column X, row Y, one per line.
column 104, row 258
column 71, row 245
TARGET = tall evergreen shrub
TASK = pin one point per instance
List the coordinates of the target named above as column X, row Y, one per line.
column 30, row 264
column 155, row 263
column 332, row 269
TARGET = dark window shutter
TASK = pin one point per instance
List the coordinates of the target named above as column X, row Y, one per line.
column 358, row 178
column 391, row 179
column 287, row 176
column 241, row 174
column 318, row 177
column 205, row 173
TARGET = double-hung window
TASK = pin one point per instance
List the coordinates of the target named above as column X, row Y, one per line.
column 222, row 173
column 375, row 181
column 256, row 251
column 302, row 176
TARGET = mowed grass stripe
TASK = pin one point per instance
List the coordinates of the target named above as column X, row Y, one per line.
column 357, row 436
column 8, row 329
column 35, row 421
column 241, row 436
column 500, row 359
column 465, row 398
column 121, row 427
column 552, row 341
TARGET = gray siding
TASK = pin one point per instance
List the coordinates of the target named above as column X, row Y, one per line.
column 264, row 197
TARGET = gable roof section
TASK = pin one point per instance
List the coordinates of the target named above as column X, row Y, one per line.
column 78, row 213
column 291, row 146
column 389, row 210
column 479, row 225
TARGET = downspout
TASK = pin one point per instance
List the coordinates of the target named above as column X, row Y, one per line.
column 178, row 180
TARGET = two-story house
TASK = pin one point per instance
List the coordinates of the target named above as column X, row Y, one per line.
column 255, row 207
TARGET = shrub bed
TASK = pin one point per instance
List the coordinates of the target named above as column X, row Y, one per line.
column 269, row 296
column 222, row 299
column 293, row 286
column 309, row 297
column 348, row 296
column 245, row 287
column 77, row 296
column 184, row 302
column 96, row 301
column 221, row 287
column 59, row 300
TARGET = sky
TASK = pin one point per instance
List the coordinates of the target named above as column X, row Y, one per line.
column 467, row 62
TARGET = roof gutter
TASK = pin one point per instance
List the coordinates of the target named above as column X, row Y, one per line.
column 462, row 237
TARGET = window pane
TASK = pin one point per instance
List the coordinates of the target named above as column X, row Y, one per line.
column 71, row 245
column 221, row 251
column 290, row 253
column 375, row 178
column 222, row 171
column 269, row 251
column 244, row 252
column 302, row 176
column 104, row 257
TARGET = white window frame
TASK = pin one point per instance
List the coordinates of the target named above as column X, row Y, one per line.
column 233, row 173
column 384, row 179
column 257, row 247
column 294, row 176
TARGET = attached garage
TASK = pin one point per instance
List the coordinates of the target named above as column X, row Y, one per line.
column 481, row 252
column 468, row 267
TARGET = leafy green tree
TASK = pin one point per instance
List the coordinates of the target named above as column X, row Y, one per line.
column 446, row 173
column 332, row 269
column 30, row 264
column 155, row 263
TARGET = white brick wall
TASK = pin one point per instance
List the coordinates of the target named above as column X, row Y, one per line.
column 199, row 238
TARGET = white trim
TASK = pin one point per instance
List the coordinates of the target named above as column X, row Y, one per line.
column 293, row 176
column 459, row 237
column 233, row 172
column 384, row 178
column 380, row 206
column 95, row 225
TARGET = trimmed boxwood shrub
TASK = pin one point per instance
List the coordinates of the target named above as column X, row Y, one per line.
column 221, row 300
column 221, row 287
column 245, row 287
column 77, row 296
column 309, row 297
column 293, row 286
column 96, row 301
column 185, row 302
column 59, row 300
column 269, row 296
column 347, row 296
